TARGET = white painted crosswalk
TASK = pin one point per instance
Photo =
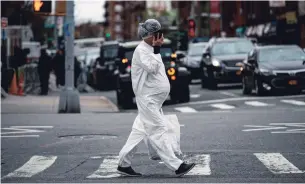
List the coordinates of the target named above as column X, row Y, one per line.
column 277, row 163
column 294, row 102
column 222, row 106
column 206, row 164
column 185, row 109
column 34, row 166
column 256, row 103
column 288, row 103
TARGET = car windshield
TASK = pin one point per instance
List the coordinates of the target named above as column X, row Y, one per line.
column 110, row 52
column 232, row 47
column 165, row 52
column 281, row 54
column 196, row 50
column 129, row 55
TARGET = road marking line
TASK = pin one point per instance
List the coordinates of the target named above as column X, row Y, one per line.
column 256, row 103
column 259, row 128
column 222, row 106
column 31, row 126
column 202, row 164
column 228, row 93
column 195, row 95
column 108, row 168
column 34, row 166
column 19, row 136
column 277, row 163
column 240, row 98
column 185, row 109
column 294, row 102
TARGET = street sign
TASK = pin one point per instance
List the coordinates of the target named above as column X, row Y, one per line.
column 4, row 22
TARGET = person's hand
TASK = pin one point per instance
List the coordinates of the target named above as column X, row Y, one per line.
column 158, row 41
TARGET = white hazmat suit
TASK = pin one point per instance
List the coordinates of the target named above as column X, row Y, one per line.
column 151, row 87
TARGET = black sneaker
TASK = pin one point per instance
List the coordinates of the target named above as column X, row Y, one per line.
column 184, row 169
column 127, row 171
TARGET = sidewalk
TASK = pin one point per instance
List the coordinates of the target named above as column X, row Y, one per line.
column 49, row 104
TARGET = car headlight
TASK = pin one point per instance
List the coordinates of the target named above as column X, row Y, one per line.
column 215, row 62
column 266, row 72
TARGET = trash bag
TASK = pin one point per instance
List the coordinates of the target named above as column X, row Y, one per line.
column 173, row 126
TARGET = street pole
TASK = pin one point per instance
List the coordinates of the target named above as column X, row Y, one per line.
column 69, row 98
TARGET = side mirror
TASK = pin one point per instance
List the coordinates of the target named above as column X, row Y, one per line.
column 180, row 55
column 207, row 55
column 251, row 61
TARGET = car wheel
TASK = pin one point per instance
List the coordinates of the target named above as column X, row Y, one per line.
column 246, row 89
column 203, row 79
column 259, row 88
column 118, row 97
column 211, row 81
column 185, row 95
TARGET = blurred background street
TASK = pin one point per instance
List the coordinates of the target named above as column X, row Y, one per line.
column 237, row 76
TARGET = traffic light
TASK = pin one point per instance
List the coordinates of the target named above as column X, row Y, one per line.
column 106, row 14
column 42, row 6
column 192, row 27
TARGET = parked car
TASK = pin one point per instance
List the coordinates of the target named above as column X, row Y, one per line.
column 193, row 58
column 178, row 76
column 105, row 67
column 274, row 68
column 220, row 62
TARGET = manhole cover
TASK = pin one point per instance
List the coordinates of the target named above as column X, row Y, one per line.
column 88, row 136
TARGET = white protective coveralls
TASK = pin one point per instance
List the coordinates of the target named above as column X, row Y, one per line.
column 151, row 87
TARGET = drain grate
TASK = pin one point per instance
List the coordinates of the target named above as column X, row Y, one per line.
column 88, row 136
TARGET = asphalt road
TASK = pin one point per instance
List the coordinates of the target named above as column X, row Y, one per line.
column 231, row 137
column 252, row 145
column 228, row 97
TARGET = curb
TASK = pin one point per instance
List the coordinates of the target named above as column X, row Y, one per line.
column 112, row 105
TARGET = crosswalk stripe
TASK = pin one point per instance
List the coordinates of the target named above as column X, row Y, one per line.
column 202, row 164
column 108, row 168
column 277, row 163
column 32, row 167
column 256, row 103
column 195, row 95
column 222, row 106
column 185, row 109
column 294, row 102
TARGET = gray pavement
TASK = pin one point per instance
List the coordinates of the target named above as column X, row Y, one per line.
column 90, row 103
column 239, row 146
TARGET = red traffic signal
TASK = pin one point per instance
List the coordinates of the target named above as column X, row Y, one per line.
column 192, row 23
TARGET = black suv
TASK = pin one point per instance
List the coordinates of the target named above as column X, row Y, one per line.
column 178, row 76
column 220, row 62
column 104, row 68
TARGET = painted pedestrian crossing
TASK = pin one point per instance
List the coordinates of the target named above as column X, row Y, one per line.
column 300, row 103
column 207, row 165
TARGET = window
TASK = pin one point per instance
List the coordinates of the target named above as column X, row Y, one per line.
column 232, row 47
column 165, row 52
column 291, row 54
column 129, row 55
column 110, row 52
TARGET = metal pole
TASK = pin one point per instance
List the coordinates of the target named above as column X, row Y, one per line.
column 69, row 98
